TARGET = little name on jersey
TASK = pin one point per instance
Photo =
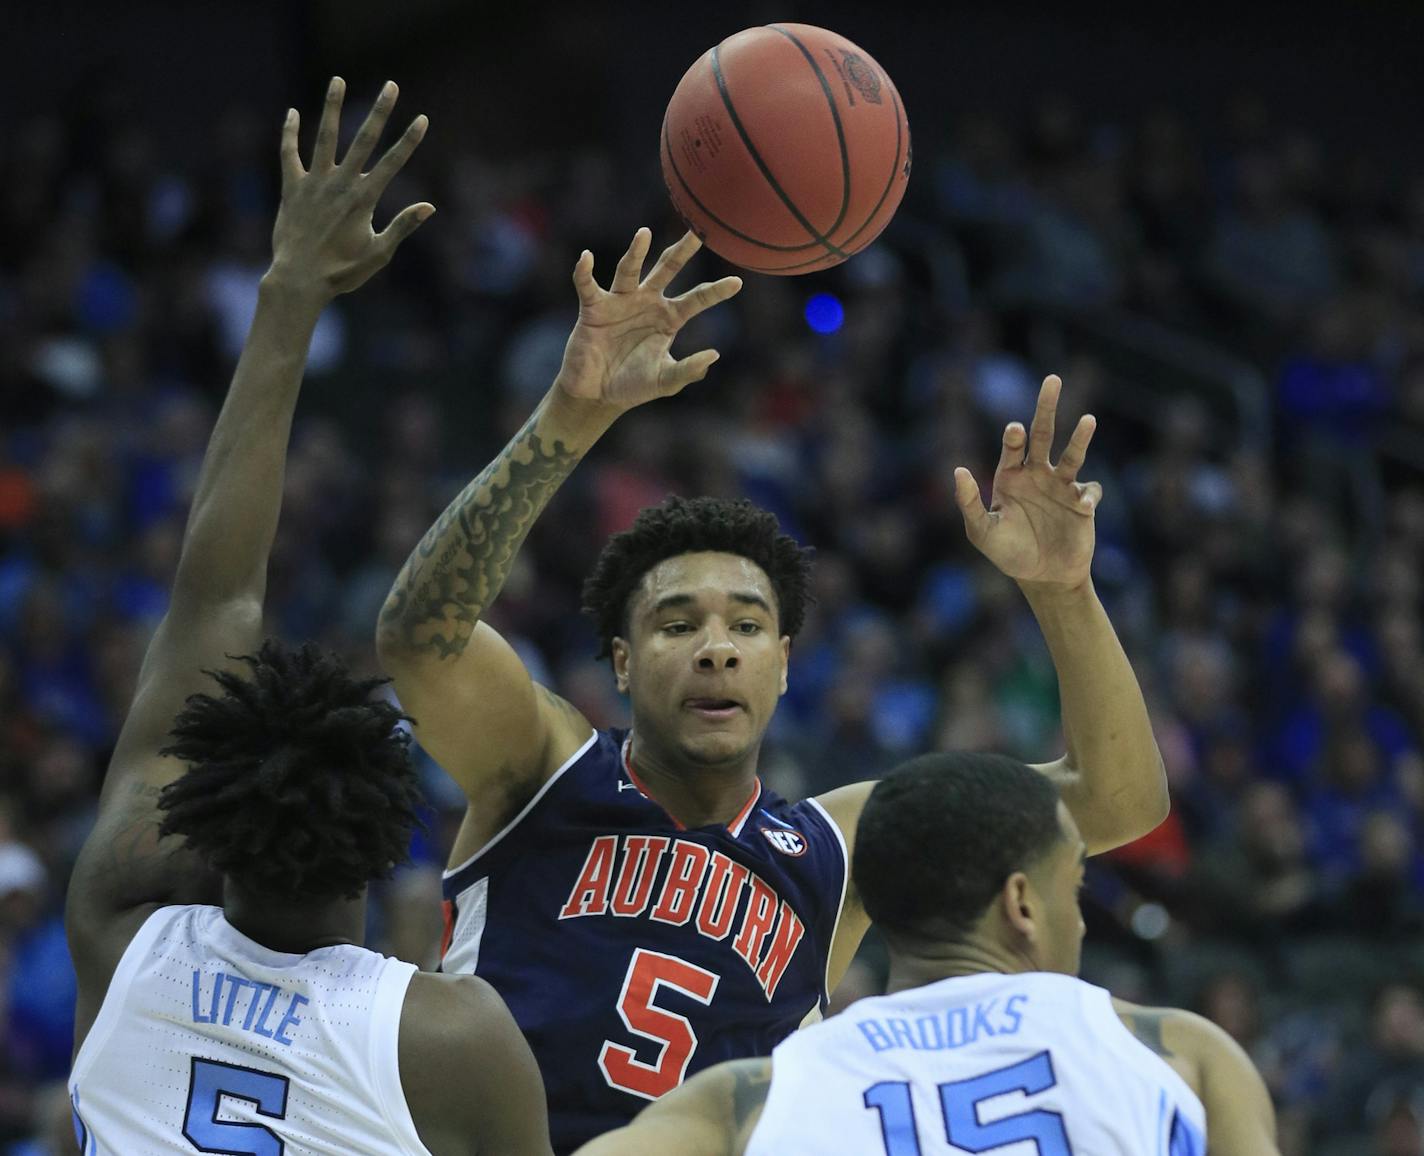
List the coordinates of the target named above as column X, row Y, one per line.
column 945, row 1030
column 233, row 998
column 700, row 885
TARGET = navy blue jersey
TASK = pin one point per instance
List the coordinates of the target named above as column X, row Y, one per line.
column 634, row 952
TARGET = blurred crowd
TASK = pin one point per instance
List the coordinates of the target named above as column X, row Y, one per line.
column 1266, row 583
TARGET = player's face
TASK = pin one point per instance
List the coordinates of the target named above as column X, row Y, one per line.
column 1062, row 943
column 704, row 663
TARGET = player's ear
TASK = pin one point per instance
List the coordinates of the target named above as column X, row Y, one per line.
column 1020, row 904
column 785, row 659
column 620, row 654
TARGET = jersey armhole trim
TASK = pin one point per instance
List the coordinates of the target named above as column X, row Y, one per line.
column 116, row 994
column 383, row 1058
column 845, row 883
column 451, row 872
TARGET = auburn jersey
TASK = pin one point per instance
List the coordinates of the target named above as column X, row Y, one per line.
column 634, row 952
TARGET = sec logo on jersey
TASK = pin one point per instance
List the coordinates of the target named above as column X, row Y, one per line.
column 787, row 841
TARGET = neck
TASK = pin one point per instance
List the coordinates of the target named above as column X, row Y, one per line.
column 695, row 794
column 298, row 926
column 921, row 962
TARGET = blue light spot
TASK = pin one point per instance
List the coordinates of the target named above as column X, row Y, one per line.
column 824, row 313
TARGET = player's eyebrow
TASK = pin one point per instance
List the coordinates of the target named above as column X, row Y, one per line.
column 745, row 597
column 750, row 598
column 669, row 601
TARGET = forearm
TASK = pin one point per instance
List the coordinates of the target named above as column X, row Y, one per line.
column 459, row 567
column 1114, row 782
column 239, row 493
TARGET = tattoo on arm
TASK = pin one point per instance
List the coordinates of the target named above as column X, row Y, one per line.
column 1147, row 1027
column 458, row 568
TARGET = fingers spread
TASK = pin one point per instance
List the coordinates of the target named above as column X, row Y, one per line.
column 685, row 372
column 630, row 266
column 1077, row 448
column 372, row 127
column 291, row 157
column 970, row 503
column 584, row 283
column 1040, row 437
column 1012, row 454
column 672, row 261
column 324, row 151
column 709, row 293
column 394, row 159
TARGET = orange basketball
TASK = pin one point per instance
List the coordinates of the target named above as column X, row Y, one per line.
column 786, row 149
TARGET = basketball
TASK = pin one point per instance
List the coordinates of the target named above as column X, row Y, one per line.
column 786, row 149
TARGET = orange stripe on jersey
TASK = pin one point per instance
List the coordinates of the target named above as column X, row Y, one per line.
column 447, row 906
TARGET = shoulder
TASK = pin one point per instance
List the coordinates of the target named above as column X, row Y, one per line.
column 456, row 1033
column 844, row 806
column 441, row 1010
column 466, row 1069
column 1199, row 1045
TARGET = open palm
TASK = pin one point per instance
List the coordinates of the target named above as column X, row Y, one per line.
column 323, row 232
column 620, row 351
column 1039, row 524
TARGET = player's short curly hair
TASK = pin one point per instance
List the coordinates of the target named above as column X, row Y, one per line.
column 941, row 833
column 298, row 782
column 687, row 526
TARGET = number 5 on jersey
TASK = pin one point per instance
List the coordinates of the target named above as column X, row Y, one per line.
column 647, row 972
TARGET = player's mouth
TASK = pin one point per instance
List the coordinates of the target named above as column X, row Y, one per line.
column 713, row 709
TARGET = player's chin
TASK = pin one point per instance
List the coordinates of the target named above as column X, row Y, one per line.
column 711, row 747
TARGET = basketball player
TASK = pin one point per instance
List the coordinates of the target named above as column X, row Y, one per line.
column 970, row 865
column 644, row 906
column 216, row 910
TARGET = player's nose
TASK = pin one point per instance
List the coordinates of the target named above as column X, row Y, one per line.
column 717, row 649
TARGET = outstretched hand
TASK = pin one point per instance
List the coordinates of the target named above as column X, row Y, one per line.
column 618, row 353
column 323, row 239
column 1039, row 525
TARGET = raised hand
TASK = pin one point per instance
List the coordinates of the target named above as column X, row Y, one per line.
column 323, row 240
column 1039, row 525
column 618, row 353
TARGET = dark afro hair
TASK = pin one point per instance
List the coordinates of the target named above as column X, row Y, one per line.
column 688, row 526
column 939, row 836
column 299, row 784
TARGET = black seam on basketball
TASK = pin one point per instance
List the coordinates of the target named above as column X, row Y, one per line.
column 835, row 116
column 894, row 172
column 713, row 217
column 760, row 164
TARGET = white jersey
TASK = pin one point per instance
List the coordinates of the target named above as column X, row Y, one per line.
column 209, row 1042
column 1005, row 1065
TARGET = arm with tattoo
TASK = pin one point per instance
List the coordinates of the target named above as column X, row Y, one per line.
column 713, row 1114
column 477, row 711
column 460, row 565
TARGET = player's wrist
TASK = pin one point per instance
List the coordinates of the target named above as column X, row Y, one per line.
column 285, row 285
column 1059, row 594
column 577, row 421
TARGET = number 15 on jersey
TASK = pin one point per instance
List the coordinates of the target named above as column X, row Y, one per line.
column 960, row 1102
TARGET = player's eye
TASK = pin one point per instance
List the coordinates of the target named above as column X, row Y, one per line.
column 748, row 627
column 677, row 627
